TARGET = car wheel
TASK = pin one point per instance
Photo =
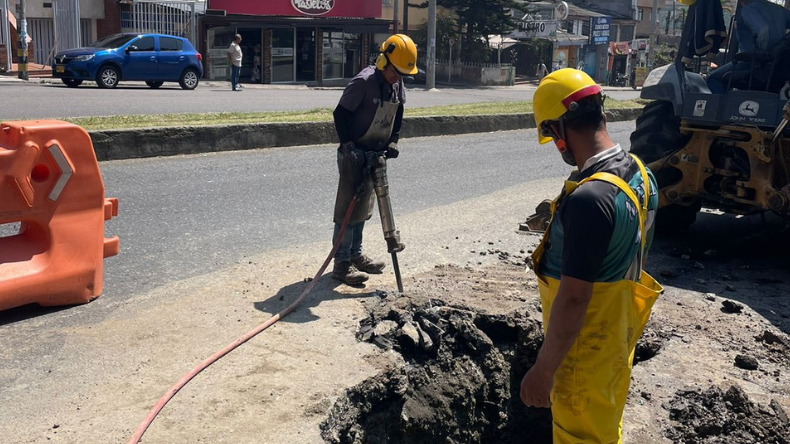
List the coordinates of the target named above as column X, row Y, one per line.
column 108, row 77
column 72, row 83
column 154, row 84
column 189, row 79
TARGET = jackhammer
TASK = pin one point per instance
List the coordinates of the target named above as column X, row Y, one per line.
column 376, row 166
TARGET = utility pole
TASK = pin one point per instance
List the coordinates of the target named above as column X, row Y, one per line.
column 405, row 16
column 395, row 16
column 430, row 72
column 22, row 49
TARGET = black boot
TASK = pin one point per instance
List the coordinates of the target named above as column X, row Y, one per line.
column 366, row 264
column 348, row 274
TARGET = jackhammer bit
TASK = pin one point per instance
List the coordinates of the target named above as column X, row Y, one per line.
column 391, row 234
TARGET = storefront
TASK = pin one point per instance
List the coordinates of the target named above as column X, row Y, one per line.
column 568, row 50
column 292, row 41
column 619, row 53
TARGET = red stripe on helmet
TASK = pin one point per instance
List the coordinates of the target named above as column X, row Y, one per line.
column 580, row 94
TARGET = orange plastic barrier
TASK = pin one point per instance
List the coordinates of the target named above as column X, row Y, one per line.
column 50, row 184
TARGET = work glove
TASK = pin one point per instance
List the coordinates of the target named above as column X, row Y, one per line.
column 355, row 157
column 392, row 151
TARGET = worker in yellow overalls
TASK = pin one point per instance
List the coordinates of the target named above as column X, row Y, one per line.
column 595, row 297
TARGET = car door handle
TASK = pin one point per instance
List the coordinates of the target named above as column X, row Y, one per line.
column 153, row 58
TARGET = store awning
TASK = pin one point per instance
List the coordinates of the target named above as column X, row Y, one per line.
column 565, row 39
column 351, row 25
column 500, row 42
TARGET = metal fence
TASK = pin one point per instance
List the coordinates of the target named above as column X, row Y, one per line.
column 475, row 65
column 177, row 18
column 422, row 61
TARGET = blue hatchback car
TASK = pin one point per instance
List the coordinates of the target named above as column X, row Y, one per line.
column 153, row 58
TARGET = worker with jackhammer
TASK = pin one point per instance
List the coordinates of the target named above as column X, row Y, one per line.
column 368, row 121
column 595, row 297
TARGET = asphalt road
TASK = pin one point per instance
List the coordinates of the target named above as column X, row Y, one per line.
column 38, row 101
column 190, row 215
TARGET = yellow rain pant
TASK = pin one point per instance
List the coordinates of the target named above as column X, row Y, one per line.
column 591, row 385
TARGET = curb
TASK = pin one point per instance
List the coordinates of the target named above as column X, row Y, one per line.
column 171, row 141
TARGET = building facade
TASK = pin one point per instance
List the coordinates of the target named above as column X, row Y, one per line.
column 596, row 40
column 293, row 41
column 97, row 19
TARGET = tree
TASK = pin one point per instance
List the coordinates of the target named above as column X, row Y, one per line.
column 480, row 19
column 446, row 29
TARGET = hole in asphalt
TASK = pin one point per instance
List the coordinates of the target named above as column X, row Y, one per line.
column 460, row 383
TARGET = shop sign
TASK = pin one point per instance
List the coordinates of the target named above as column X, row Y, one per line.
column 599, row 30
column 619, row 48
column 313, row 7
column 301, row 8
column 534, row 28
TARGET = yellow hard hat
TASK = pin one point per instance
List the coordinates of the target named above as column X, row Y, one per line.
column 688, row 2
column 400, row 51
column 557, row 92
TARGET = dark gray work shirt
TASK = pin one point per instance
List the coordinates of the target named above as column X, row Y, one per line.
column 364, row 94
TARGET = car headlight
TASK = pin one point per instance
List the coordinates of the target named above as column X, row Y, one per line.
column 83, row 58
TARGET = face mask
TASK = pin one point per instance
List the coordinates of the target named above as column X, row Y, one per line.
column 568, row 158
column 567, row 155
column 562, row 146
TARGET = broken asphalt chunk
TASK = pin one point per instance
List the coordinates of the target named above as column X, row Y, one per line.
column 731, row 307
column 746, row 362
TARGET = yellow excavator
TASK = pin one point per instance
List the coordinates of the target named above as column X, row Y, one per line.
column 727, row 150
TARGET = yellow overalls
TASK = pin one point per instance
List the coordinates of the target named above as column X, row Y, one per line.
column 591, row 385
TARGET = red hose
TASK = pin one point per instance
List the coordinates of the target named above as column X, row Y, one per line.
column 230, row 347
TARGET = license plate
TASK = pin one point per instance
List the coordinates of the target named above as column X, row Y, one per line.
column 60, row 68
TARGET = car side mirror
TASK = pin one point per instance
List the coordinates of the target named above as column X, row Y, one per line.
column 130, row 49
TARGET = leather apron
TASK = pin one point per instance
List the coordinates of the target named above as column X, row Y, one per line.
column 374, row 140
column 591, row 385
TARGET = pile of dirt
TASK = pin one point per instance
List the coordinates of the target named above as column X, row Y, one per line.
column 715, row 416
column 459, row 382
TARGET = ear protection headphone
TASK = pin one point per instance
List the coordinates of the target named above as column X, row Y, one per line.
column 383, row 59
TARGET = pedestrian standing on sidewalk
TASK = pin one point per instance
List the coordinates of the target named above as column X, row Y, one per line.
column 234, row 60
column 595, row 297
column 541, row 71
column 367, row 120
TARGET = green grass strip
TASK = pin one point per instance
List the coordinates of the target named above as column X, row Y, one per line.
column 313, row 115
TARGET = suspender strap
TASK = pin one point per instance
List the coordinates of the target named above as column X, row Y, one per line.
column 645, row 180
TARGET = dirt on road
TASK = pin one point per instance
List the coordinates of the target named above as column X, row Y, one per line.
column 709, row 369
column 440, row 363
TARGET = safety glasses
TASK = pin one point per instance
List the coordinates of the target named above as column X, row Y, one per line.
column 545, row 129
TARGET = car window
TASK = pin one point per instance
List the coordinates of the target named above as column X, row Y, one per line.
column 112, row 41
column 143, row 44
column 170, row 44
